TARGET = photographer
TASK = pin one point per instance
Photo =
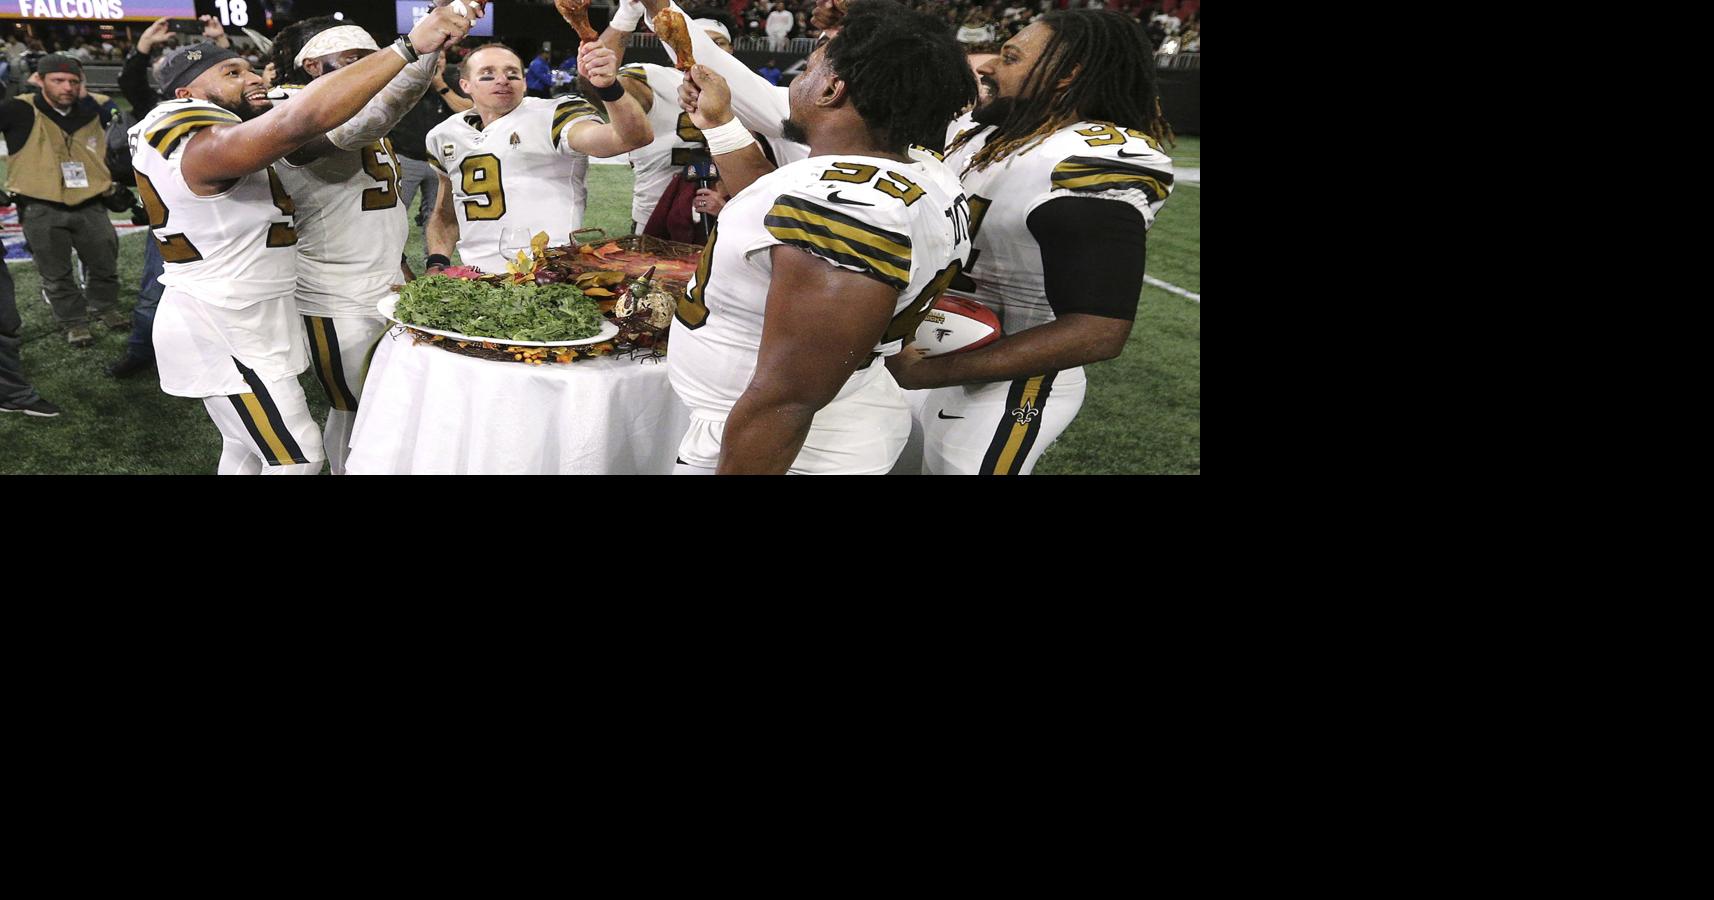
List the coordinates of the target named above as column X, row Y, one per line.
column 58, row 174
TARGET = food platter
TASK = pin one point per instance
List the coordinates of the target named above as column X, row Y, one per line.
column 608, row 331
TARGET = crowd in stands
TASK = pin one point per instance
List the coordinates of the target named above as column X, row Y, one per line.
column 20, row 50
column 984, row 24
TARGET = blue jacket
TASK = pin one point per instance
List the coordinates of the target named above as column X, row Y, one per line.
column 538, row 77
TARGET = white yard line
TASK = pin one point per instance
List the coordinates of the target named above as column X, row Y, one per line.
column 1170, row 288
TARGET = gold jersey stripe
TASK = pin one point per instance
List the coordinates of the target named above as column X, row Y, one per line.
column 1112, row 180
column 265, row 427
column 563, row 116
column 883, row 241
column 175, row 127
column 1020, row 430
column 843, row 251
column 326, row 357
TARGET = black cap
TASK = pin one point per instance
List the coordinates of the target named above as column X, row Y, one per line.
column 57, row 63
column 182, row 67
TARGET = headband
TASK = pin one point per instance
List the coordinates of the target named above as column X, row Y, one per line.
column 713, row 25
column 335, row 40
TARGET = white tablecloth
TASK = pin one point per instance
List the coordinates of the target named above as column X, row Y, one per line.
column 427, row 411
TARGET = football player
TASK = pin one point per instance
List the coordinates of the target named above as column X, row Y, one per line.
column 760, row 105
column 1065, row 171
column 227, row 330
column 515, row 165
column 351, row 226
column 677, row 142
column 819, row 268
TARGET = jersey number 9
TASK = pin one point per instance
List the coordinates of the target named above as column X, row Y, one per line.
column 481, row 183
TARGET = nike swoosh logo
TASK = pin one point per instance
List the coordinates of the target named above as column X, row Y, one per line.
column 943, row 415
column 837, row 199
column 1131, row 155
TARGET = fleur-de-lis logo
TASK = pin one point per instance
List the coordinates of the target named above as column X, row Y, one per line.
column 193, row 55
column 516, row 140
column 1027, row 413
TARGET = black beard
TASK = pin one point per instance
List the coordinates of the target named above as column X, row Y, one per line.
column 994, row 112
column 243, row 109
column 792, row 131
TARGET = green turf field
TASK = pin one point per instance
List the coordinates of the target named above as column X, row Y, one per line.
column 1143, row 413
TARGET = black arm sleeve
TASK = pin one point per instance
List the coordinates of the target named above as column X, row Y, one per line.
column 1092, row 254
column 134, row 84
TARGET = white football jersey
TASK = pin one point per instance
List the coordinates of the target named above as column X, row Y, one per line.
column 1088, row 159
column 231, row 250
column 666, row 155
column 519, row 172
column 351, row 226
column 905, row 224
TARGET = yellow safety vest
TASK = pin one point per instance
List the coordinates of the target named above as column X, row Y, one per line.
column 34, row 171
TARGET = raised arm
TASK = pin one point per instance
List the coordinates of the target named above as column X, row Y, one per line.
column 220, row 154
column 621, row 26
column 448, row 94
column 379, row 115
column 629, row 125
column 761, row 106
column 706, row 97
column 134, row 77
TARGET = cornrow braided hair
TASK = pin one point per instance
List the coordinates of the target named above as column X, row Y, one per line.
column 1111, row 64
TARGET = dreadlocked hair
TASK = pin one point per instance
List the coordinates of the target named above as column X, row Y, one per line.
column 1111, row 64
column 291, row 40
column 904, row 72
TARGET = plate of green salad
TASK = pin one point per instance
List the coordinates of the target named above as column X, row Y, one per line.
column 524, row 315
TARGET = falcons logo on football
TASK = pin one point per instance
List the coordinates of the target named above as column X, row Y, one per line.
column 955, row 323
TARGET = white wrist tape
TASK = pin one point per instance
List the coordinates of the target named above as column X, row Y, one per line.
column 728, row 138
column 629, row 14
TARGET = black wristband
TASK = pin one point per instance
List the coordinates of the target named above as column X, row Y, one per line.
column 611, row 92
column 435, row 259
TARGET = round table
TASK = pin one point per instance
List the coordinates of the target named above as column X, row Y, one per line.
column 426, row 411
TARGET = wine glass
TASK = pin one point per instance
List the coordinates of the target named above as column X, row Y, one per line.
column 513, row 241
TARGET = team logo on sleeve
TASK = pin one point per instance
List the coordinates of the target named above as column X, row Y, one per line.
column 516, row 140
column 447, row 151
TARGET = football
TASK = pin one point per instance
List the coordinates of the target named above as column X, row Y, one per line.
column 957, row 323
